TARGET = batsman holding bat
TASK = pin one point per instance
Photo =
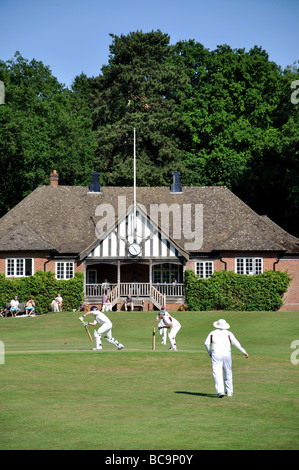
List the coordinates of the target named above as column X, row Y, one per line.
column 106, row 327
column 173, row 326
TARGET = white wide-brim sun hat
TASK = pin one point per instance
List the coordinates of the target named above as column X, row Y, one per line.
column 221, row 324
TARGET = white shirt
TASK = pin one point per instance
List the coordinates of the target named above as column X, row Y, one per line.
column 14, row 303
column 101, row 318
column 169, row 319
column 219, row 342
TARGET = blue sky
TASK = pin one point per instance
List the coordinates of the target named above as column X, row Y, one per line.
column 72, row 36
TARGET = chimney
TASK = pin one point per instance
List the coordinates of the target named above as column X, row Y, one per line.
column 95, row 186
column 54, row 178
column 176, row 186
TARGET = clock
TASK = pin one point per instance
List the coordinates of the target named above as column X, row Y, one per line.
column 134, row 249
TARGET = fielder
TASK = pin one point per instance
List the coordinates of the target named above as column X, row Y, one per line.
column 106, row 327
column 170, row 323
column 218, row 344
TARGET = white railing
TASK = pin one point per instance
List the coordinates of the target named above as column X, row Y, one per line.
column 171, row 290
column 157, row 298
column 98, row 290
column 135, row 289
column 114, row 295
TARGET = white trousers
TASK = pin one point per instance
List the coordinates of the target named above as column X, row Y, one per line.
column 222, row 373
column 172, row 334
column 163, row 332
column 105, row 328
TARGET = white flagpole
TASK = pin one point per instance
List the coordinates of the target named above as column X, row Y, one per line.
column 134, row 182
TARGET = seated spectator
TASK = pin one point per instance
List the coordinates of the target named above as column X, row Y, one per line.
column 106, row 286
column 129, row 302
column 107, row 306
column 30, row 307
column 59, row 301
column 14, row 306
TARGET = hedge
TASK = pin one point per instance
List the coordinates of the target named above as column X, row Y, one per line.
column 43, row 288
column 226, row 290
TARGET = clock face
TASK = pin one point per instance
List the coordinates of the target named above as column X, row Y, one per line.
column 134, row 249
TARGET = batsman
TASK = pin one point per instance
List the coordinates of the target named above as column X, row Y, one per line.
column 106, row 327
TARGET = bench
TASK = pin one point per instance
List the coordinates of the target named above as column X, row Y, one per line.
column 22, row 306
column 138, row 304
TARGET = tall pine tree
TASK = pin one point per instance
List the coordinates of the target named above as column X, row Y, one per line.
column 139, row 88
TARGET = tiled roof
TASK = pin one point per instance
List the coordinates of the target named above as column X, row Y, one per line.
column 23, row 238
column 63, row 218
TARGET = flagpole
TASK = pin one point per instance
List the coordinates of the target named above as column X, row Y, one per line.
column 134, row 182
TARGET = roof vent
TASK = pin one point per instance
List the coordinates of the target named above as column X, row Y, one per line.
column 176, row 186
column 95, row 186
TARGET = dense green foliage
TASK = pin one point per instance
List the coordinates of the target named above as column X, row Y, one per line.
column 221, row 117
column 43, row 288
column 226, row 290
column 43, row 127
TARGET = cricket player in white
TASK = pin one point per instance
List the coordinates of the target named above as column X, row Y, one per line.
column 162, row 331
column 169, row 322
column 218, row 344
column 106, row 327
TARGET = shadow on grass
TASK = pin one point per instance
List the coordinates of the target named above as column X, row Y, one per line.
column 197, row 394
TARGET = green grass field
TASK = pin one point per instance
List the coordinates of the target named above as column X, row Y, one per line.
column 66, row 396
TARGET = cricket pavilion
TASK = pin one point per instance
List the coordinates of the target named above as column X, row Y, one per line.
column 140, row 240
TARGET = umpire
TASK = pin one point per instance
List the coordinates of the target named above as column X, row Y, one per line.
column 218, row 344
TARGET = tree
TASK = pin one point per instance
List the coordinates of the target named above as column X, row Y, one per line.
column 139, row 88
column 43, row 127
column 243, row 128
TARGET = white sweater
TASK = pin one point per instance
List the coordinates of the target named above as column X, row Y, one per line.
column 219, row 342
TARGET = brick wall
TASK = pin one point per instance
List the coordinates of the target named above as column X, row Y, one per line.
column 41, row 261
column 291, row 297
column 291, row 266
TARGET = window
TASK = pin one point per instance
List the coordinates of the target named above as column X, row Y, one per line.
column 249, row 265
column 91, row 276
column 19, row 267
column 64, row 269
column 166, row 273
column 204, row 269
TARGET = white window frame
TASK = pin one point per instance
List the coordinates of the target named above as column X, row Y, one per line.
column 16, row 267
column 165, row 273
column 249, row 265
column 204, row 269
column 64, row 270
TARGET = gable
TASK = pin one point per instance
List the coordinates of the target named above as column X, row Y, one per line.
column 153, row 241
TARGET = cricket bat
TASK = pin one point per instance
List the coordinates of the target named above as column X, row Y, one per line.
column 86, row 329
column 154, row 339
